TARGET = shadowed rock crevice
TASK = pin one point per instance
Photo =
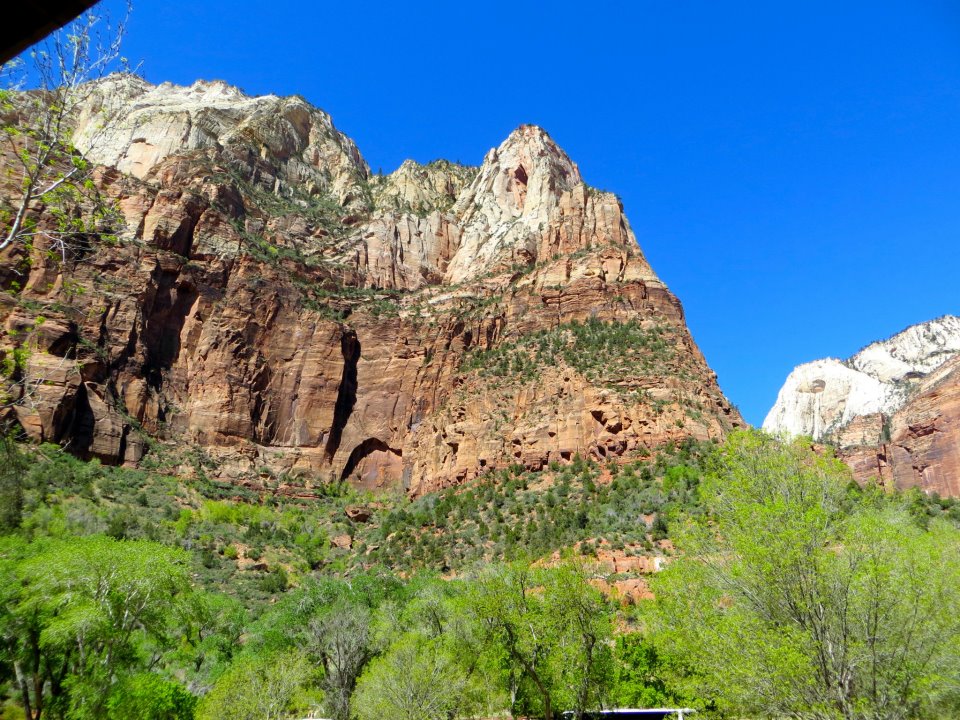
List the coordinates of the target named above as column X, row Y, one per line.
column 173, row 302
column 346, row 395
column 367, row 447
column 80, row 433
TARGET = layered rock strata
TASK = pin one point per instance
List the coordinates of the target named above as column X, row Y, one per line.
column 916, row 446
column 271, row 309
column 892, row 409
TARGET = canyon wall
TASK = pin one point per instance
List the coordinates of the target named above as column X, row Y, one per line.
column 892, row 410
column 271, row 309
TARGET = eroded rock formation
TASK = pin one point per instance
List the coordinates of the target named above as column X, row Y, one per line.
column 273, row 308
column 916, row 446
column 892, row 410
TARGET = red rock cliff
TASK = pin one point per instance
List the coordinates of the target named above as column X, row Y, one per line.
column 919, row 444
column 274, row 308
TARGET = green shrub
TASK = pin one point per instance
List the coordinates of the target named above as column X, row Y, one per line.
column 149, row 696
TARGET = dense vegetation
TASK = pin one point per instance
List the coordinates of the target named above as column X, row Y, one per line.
column 128, row 594
column 231, row 553
column 610, row 352
column 801, row 598
column 257, row 543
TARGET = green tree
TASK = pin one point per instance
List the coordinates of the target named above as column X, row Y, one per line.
column 13, row 467
column 334, row 623
column 550, row 628
column 81, row 614
column 436, row 620
column 149, row 696
column 508, row 607
column 37, row 128
column 586, row 659
column 213, row 628
column 643, row 677
column 341, row 639
column 798, row 598
column 416, row 679
column 256, row 688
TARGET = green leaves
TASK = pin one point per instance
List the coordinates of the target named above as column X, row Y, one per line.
column 415, row 680
column 551, row 627
column 256, row 688
column 85, row 611
column 148, row 696
column 643, row 677
column 128, row 583
column 796, row 598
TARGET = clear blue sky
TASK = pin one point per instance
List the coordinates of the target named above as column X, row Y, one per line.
column 791, row 170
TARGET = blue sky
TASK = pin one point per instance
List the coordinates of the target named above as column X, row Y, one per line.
column 791, row 170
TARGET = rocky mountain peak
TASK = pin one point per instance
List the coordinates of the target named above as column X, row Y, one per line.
column 277, row 141
column 821, row 397
column 522, row 178
column 527, row 204
column 275, row 306
column 911, row 353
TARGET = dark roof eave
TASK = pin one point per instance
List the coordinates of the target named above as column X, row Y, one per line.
column 36, row 21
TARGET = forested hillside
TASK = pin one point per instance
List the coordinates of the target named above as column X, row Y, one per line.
column 132, row 594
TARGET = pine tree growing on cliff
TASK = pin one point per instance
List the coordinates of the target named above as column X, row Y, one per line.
column 43, row 171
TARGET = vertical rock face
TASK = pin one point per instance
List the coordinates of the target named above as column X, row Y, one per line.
column 919, row 444
column 891, row 409
column 275, row 308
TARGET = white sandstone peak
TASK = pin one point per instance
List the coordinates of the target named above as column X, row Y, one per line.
column 822, row 396
column 448, row 223
column 919, row 349
column 522, row 177
column 509, row 204
column 148, row 123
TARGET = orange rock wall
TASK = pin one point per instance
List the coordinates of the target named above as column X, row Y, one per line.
column 919, row 446
column 271, row 343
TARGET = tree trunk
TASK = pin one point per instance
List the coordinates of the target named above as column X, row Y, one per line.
column 24, row 689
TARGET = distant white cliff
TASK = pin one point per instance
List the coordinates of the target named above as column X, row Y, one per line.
column 822, row 396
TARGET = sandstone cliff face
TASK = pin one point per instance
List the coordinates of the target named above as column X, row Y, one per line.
column 891, row 409
column 274, row 309
column 820, row 397
column 133, row 126
column 919, row 444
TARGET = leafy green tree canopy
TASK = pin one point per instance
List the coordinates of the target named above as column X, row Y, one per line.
column 800, row 597
column 81, row 614
column 550, row 628
column 257, row 688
